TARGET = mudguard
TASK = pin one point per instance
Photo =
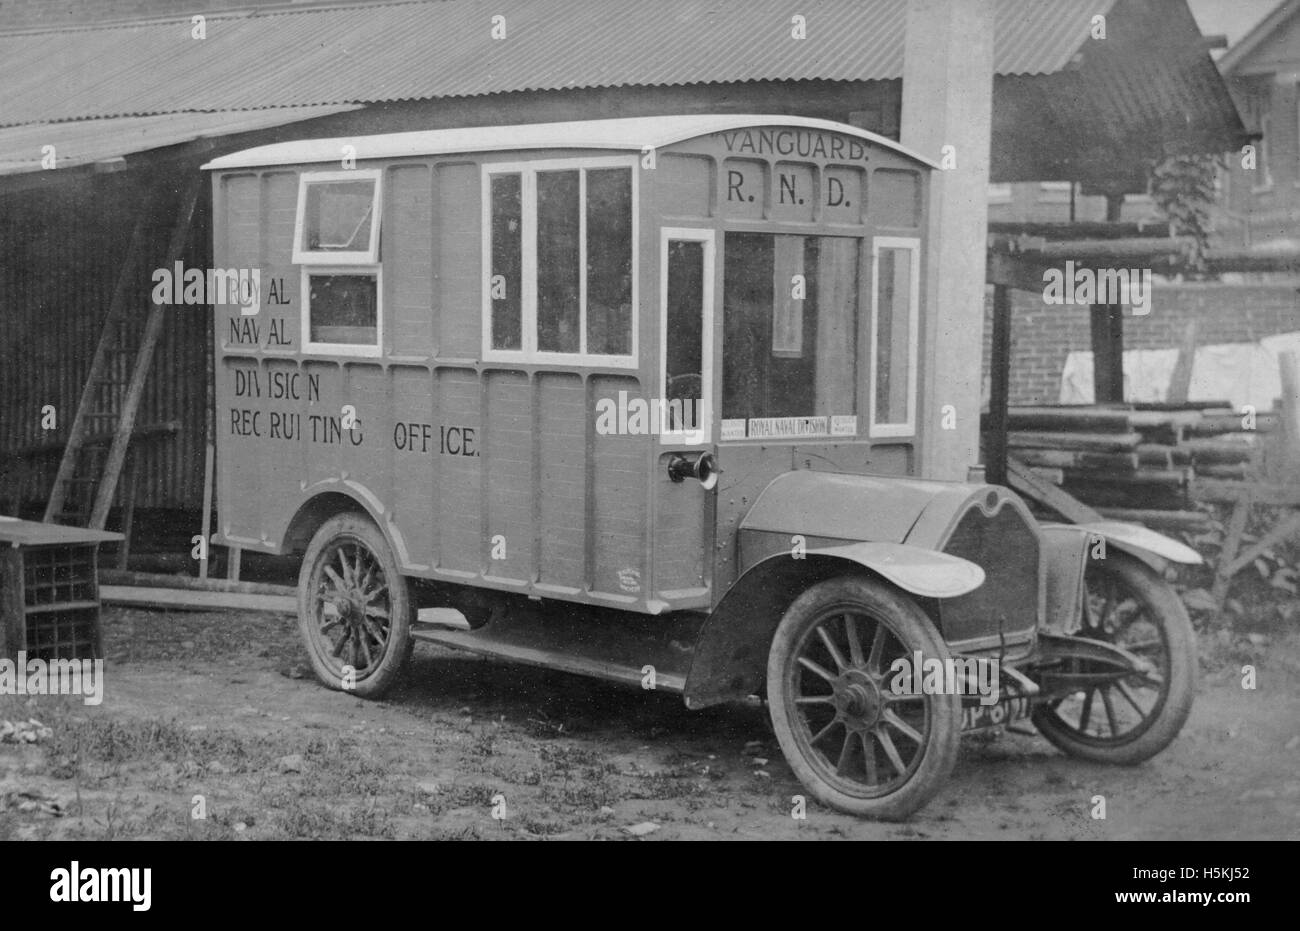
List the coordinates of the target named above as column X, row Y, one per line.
column 731, row 650
column 923, row 572
column 1143, row 543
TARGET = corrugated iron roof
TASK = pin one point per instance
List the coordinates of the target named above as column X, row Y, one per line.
column 419, row 49
column 86, row 141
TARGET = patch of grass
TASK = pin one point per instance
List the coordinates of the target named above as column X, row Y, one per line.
column 484, row 743
column 544, row 828
column 567, row 756
column 118, row 742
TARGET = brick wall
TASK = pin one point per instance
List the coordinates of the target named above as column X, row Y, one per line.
column 1042, row 335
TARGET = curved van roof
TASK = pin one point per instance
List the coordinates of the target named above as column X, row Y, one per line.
column 628, row 134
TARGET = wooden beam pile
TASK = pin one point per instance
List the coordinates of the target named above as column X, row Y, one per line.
column 1137, row 461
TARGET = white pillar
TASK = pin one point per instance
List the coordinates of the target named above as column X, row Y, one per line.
column 948, row 101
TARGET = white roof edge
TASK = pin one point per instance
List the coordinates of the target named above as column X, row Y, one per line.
column 627, row 134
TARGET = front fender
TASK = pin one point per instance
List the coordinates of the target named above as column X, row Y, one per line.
column 923, row 572
column 1143, row 543
column 730, row 654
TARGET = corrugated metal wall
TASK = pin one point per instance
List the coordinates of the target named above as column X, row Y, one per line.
column 61, row 251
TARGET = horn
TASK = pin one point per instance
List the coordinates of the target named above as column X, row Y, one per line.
column 703, row 468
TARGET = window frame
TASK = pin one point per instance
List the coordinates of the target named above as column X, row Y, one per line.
column 875, row 429
column 365, row 350
column 527, row 171
column 709, row 237
column 368, row 256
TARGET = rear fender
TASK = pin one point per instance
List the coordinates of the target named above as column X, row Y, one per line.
column 730, row 657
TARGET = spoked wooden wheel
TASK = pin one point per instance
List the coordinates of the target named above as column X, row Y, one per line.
column 353, row 607
column 1131, row 718
column 856, row 744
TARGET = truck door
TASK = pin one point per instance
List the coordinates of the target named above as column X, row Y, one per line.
column 683, row 514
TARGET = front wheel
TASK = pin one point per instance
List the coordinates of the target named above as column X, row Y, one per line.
column 858, row 744
column 1131, row 719
column 354, row 608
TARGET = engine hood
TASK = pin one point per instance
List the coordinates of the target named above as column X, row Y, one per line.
column 868, row 508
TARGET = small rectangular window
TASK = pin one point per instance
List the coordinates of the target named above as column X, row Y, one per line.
column 559, row 308
column 609, row 262
column 686, row 287
column 506, row 283
column 336, row 241
column 338, row 218
column 344, row 307
column 895, row 330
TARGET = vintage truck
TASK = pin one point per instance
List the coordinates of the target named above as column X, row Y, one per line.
column 639, row 398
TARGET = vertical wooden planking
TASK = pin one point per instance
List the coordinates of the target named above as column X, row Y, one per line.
column 562, row 477
column 459, row 260
column 412, row 439
column 460, row 539
column 619, row 478
column 407, row 244
column 507, row 463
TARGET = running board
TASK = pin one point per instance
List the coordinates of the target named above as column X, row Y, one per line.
column 618, row 648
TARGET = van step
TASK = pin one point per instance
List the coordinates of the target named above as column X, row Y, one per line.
column 616, row 647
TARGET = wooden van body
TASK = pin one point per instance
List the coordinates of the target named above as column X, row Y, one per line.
column 454, row 329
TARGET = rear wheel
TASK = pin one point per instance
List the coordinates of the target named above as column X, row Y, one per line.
column 856, row 744
column 1131, row 719
column 354, row 608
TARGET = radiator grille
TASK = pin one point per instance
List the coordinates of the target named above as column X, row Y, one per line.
column 1006, row 547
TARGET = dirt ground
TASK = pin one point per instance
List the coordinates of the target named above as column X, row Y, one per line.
column 221, row 706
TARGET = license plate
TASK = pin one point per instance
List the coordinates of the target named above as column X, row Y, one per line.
column 978, row 717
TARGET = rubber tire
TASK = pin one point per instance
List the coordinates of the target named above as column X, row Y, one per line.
column 1167, row 611
column 940, row 754
column 400, row 643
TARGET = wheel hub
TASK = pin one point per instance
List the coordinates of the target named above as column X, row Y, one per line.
column 857, row 700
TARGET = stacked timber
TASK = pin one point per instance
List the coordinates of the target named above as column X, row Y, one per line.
column 1136, row 461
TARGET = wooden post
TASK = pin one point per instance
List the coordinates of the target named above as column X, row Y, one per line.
column 1231, row 544
column 1289, row 442
column 1180, row 382
column 132, row 483
column 947, row 116
column 995, row 438
column 209, row 448
column 13, row 607
column 1107, row 326
column 207, row 508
